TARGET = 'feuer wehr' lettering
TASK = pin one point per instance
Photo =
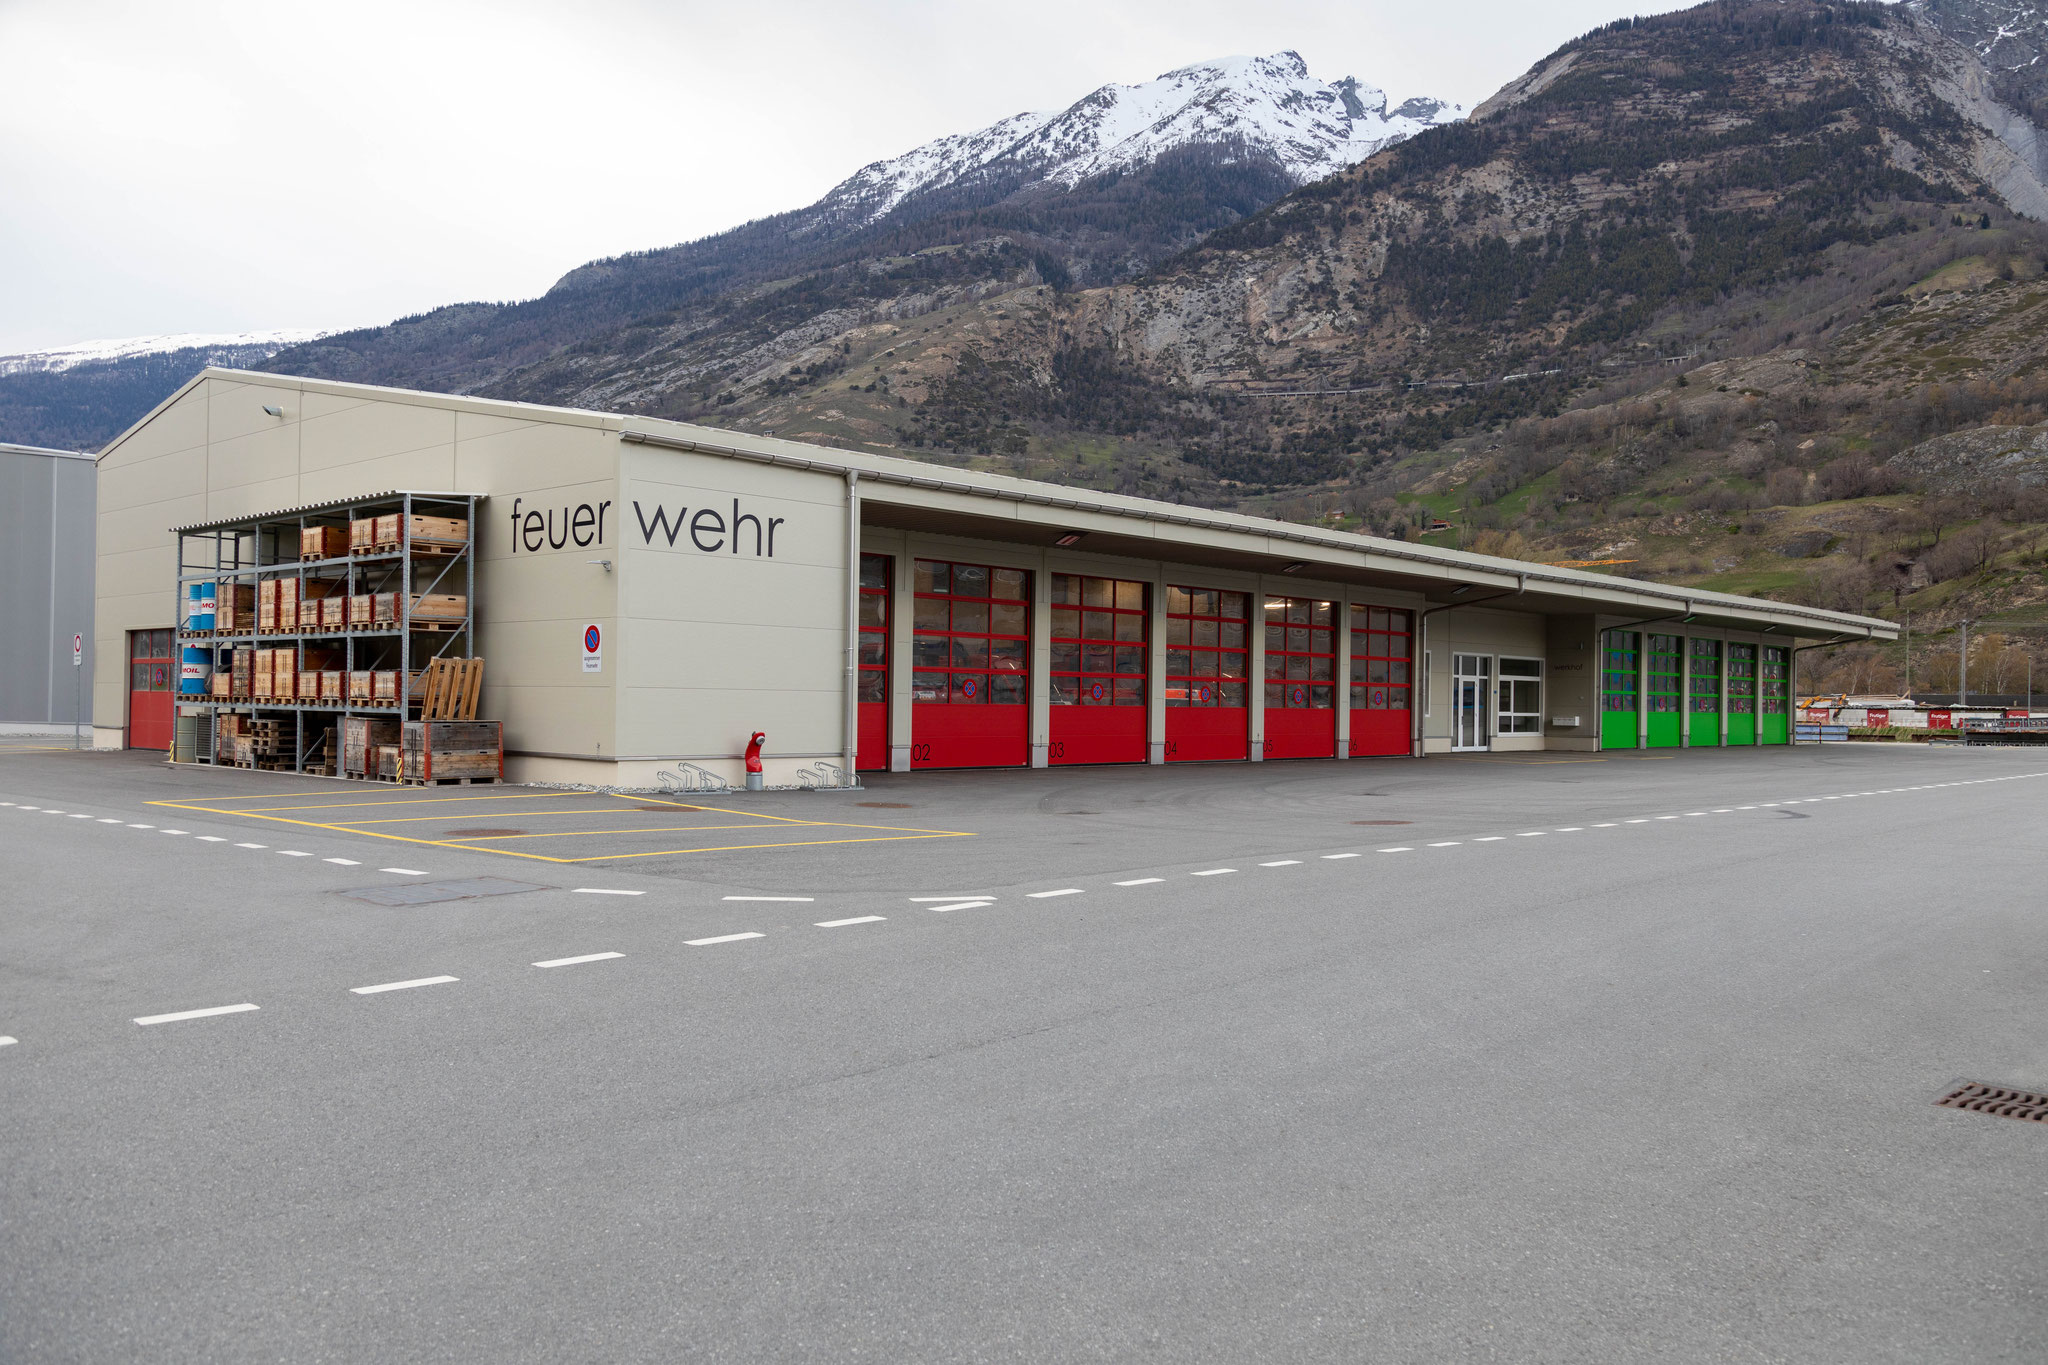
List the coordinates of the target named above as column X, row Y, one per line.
column 582, row 526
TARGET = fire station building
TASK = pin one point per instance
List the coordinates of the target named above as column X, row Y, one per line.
column 872, row 613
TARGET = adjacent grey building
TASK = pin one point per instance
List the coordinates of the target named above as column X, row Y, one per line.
column 46, row 565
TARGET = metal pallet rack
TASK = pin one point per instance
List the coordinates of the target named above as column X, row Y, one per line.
column 253, row 549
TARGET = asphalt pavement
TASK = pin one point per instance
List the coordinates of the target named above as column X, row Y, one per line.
column 1529, row 1057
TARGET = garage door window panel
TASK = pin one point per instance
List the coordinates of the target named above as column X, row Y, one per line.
column 970, row 653
column 1208, row 660
column 1620, row 686
column 1382, row 650
column 1300, row 682
column 872, row 751
column 1098, row 672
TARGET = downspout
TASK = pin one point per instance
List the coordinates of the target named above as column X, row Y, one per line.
column 851, row 756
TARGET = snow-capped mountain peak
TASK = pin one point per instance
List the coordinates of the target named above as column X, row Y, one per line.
column 1270, row 105
column 244, row 345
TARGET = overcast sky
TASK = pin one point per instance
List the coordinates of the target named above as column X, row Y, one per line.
column 176, row 166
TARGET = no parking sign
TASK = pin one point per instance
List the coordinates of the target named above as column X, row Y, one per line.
column 593, row 649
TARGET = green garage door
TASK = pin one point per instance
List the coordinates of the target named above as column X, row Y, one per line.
column 1741, row 694
column 1619, row 679
column 1667, row 659
column 1777, row 694
column 1706, row 694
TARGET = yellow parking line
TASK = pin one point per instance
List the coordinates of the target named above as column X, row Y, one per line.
column 741, row 848
column 692, row 829
column 344, row 805
column 444, row 819
column 785, row 819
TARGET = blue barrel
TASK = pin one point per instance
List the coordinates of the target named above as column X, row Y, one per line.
column 195, row 671
column 199, row 600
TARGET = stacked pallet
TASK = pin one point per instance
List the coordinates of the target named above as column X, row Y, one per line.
column 323, row 542
column 234, row 611
column 261, row 743
column 361, row 738
column 440, row 752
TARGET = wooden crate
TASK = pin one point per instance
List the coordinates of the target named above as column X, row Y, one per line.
column 266, row 606
column 260, row 681
column 389, row 761
column 221, row 686
column 323, row 542
column 388, row 530
column 242, row 669
column 361, row 685
column 452, row 750
column 384, row 608
column 284, row 674
column 334, row 611
column 362, row 535
column 384, row 684
column 234, row 607
column 331, row 684
column 309, row 614
column 440, row 606
column 440, row 530
column 309, row 685
column 361, row 737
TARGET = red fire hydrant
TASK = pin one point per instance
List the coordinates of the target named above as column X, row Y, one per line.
column 755, row 781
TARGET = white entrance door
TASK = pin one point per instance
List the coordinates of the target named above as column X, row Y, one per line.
column 1471, row 684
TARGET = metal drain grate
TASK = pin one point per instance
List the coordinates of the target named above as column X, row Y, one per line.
column 1996, row 1099
column 426, row 893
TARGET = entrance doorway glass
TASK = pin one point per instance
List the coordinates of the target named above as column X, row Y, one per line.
column 1471, row 681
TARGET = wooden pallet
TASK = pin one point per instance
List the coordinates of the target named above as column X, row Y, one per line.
column 448, row 781
column 435, row 549
column 450, row 688
column 434, row 627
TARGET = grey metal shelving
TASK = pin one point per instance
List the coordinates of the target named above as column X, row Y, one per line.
column 252, row 549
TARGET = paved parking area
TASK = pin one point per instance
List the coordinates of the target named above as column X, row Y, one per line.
column 1530, row 1059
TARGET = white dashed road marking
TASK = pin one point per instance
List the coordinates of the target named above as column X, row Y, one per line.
column 400, row 871
column 857, row 919
column 1048, row 895
column 1149, row 881
column 148, row 1019
column 342, row 862
column 8, row 1042
column 252, row 845
column 1214, row 872
column 210, row 839
column 1400, row 848
column 572, row 961
column 1284, row 862
column 960, row 905
column 778, row 900
column 292, row 853
column 962, row 896
column 402, row 985
column 593, row 891
column 1448, row 843
column 722, row 938
column 1333, row 857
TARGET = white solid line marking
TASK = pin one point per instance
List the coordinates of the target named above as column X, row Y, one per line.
column 962, row 896
column 210, row 838
column 604, row 891
column 779, row 900
column 842, row 923
column 1489, row 838
column 960, row 905
column 402, row 871
column 252, row 845
column 342, row 862
column 1148, row 881
column 292, row 853
column 1399, row 849
column 402, row 985
column 1214, row 872
column 1047, row 895
column 149, row 1019
column 572, row 961
column 722, row 938
column 1284, row 862
column 1448, row 843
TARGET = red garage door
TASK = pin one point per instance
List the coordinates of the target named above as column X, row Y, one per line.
column 1098, row 670
column 875, row 581
column 1208, row 715
column 151, row 680
column 1382, row 646
column 970, row 666
column 1301, row 671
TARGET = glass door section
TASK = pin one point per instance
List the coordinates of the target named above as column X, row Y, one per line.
column 1620, row 682
column 1098, row 670
column 1666, row 698
column 1777, row 694
column 1741, row 694
column 1705, row 720
column 970, row 666
column 876, row 582
column 1301, row 678
column 1471, row 680
column 1208, row 662
column 1382, row 659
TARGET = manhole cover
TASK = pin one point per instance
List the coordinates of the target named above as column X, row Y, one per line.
column 1382, row 822
column 2002, row 1100
column 479, row 833
column 883, row 805
column 426, row 893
